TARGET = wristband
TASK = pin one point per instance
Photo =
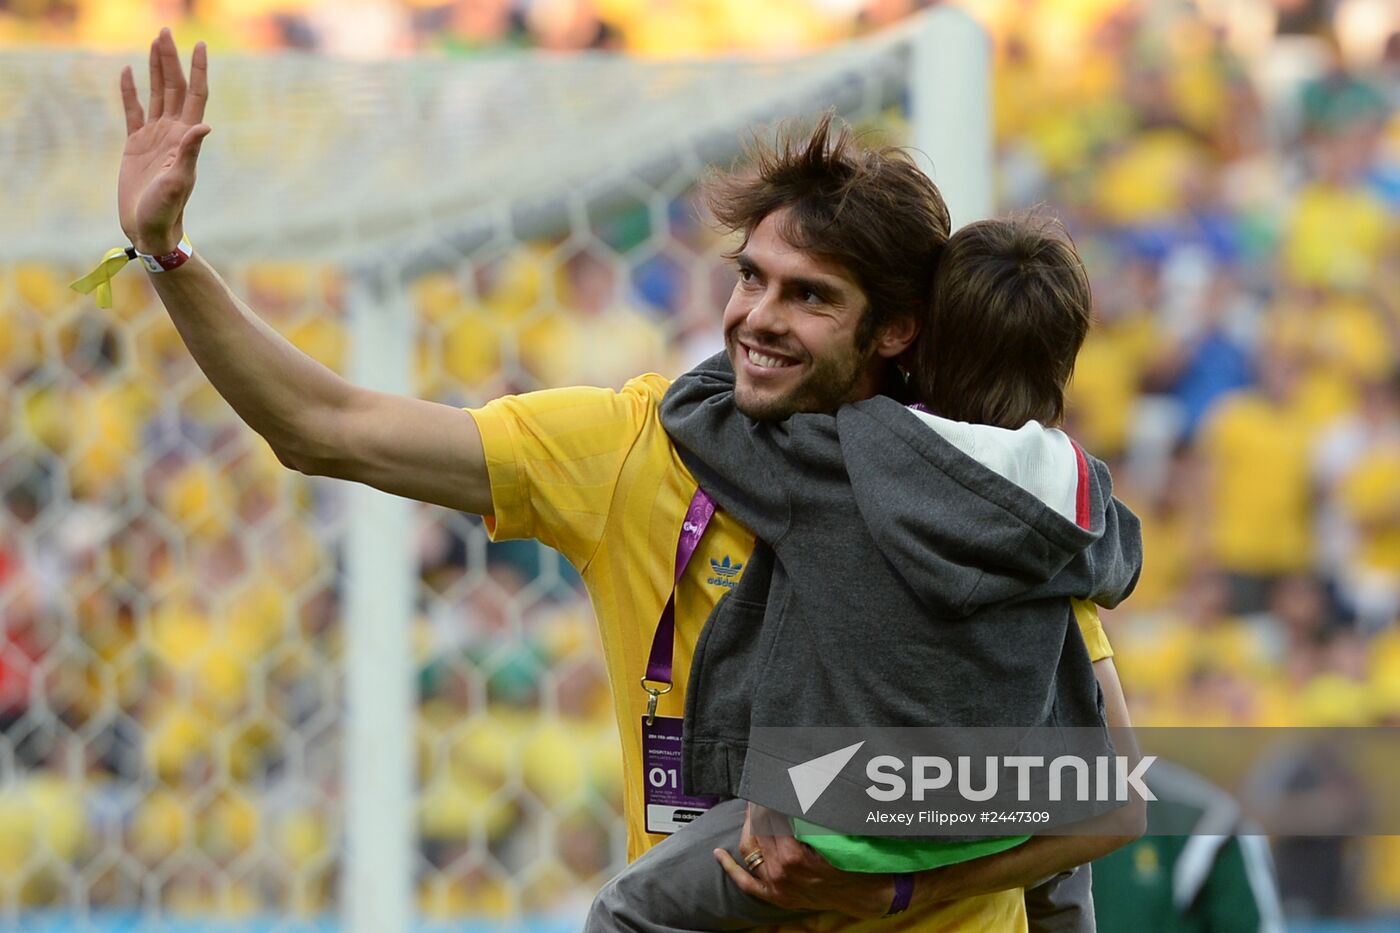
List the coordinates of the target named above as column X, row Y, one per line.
column 903, row 894
column 167, row 262
column 99, row 280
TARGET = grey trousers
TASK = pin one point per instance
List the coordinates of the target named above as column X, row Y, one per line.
column 679, row 887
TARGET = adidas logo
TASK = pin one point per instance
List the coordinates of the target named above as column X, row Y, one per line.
column 725, row 572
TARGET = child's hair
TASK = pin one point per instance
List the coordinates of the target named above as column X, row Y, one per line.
column 1011, row 307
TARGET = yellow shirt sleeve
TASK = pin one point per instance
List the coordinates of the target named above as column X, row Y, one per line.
column 1091, row 627
column 554, row 457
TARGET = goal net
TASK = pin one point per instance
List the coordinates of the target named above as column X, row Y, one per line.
column 193, row 723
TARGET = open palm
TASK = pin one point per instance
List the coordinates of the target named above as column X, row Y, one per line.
column 162, row 146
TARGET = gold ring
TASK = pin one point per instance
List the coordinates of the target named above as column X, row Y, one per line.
column 753, row 860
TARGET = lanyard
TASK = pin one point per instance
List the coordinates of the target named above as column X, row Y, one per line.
column 697, row 519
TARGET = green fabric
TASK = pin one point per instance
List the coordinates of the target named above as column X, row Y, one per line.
column 1133, row 890
column 1133, row 887
column 886, row 854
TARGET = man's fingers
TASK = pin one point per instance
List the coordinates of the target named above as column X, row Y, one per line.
column 746, row 834
column 198, row 94
column 189, row 144
column 156, row 106
column 135, row 119
column 172, row 72
column 742, row 879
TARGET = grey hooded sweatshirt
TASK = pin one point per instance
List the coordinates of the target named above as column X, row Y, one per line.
column 898, row 581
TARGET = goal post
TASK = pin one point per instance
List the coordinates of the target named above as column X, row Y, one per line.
column 227, row 690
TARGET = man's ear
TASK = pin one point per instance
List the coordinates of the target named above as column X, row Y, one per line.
column 896, row 336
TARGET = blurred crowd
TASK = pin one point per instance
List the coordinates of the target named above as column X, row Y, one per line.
column 378, row 28
column 170, row 595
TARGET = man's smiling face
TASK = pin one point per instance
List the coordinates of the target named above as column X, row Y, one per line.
column 790, row 329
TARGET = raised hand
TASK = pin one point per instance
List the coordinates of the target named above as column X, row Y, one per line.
column 162, row 146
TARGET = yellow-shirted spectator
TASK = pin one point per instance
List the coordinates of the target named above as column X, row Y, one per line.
column 95, row 427
column 462, row 337
column 179, row 738
column 452, row 808
column 1369, row 496
column 44, row 288
column 594, row 339
column 229, row 827
column 41, row 823
column 1167, row 548
column 673, row 30
column 200, row 499
column 1335, row 236
column 1260, row 519
column 302, row 839
column 1382, row 867
column 471, row 349
column 1145, row 181
column 293, row 557
column 129, row 24
column 1342, row 337
column 1196, row 81
column 20, row 340
column 482, row 759
column 1171, row 533
column 1162, row 654
column 1019, row 92
column 1102, row 397
column 106, row 424
column 320, row 336
column 162, row 823
column 776, row 26
column 1385, row 658
column 255, row 615
column 467, row 892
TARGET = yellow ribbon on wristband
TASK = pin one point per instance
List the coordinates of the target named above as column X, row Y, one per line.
column 99, row 280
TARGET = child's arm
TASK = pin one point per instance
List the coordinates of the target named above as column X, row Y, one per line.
column 749, row 467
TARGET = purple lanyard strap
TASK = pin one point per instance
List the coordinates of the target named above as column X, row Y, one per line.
column 659, row 664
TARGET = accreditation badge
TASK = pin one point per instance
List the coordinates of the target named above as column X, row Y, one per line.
column 668, row 807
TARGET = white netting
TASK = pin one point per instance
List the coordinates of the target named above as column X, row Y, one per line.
column 350, row 157
column 170, row 672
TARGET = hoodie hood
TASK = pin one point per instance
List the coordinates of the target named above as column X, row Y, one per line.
column 1001, row 512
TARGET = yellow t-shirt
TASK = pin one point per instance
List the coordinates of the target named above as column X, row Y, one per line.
column 1103, row 393
column 1371, row 499
column 1261, row 510
column 1336, row 236
column 592, row 473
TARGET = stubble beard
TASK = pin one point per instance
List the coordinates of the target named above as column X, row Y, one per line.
column 829, row 384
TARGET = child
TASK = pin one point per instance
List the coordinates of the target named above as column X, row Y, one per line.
column 922, row 567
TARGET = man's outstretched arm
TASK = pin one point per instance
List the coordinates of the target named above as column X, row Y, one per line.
column 315, row 421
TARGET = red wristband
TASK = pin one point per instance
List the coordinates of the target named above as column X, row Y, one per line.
column 167, row 262
column 903, row 894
